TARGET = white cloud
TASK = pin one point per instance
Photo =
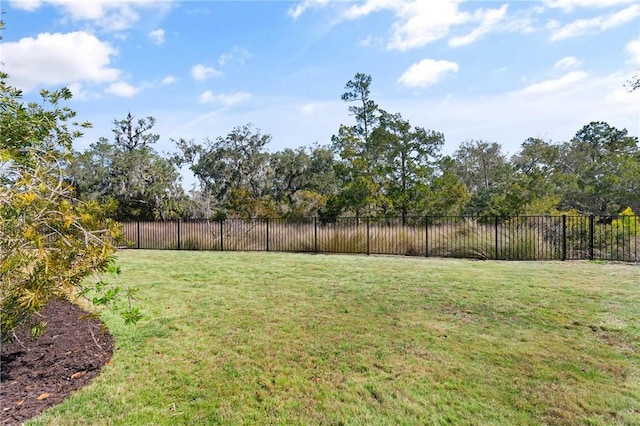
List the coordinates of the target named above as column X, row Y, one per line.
column 300, row 8
column 226, row 99
column 426, row 72
column 157, row 36
column 366, row 42
column 633, row 49
column 58, row 59
column 553, row 24
column 28, row 5
column 488, row 21
column 420, row 22
column 224, row 58
column 169, row 79
column 567, row 62
column 77, row 91
column 555, row 85
column 239, row 54
column 122, row 89
column 316, row 108
column 568, row 5
column 201, row 72
column 595, row 25
column 108, row 14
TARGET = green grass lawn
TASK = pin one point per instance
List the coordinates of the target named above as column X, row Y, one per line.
column 266, row 338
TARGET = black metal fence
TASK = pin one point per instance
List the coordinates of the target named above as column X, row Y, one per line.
column 516, row 238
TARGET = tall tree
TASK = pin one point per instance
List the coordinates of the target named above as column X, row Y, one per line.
column 480, row 164
column 290, row 175
column 130, row 135
column 409, row 159
column 144, row 184
column 488, row 177
column 536, row 173
column 447, row 195
column 600, row 170
column 359, row 90
column 234, row 172
column 302, row 180
column 360, row 187
column 359, row 154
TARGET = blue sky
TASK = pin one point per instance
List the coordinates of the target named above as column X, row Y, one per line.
column 500, row 71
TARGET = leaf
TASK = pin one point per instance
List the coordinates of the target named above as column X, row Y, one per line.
column 132, row 316
column 38, row 329
column 114, row 269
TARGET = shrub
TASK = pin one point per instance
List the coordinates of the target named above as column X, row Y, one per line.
column 49, row 242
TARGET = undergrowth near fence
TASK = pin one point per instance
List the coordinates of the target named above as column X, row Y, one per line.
column 518, row 238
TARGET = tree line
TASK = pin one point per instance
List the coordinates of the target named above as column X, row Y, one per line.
column 379, row 165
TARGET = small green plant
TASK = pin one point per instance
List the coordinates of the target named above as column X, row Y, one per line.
column 107, row 292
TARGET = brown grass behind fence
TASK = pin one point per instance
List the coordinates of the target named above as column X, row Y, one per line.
column 523, row 238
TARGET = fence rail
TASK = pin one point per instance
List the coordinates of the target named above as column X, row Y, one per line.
column 516, row 238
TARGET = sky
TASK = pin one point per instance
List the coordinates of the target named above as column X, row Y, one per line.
column 499, row 71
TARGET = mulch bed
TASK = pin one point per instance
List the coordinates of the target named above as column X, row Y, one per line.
column 35, row 375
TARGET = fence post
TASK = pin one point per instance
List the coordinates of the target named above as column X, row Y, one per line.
column 138, row 239
column 564, row 237
column 315, row 234
column 267, row 221
column 496, row 239
column 368, row 249
column 221, row 235
column 426, row 236
column 591, row 236
column 178, row 234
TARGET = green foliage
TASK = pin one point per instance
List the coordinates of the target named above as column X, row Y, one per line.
column 379, row 166
column 536, row 169
column 386, row 166
column 233, row 172
column 359, row 90
column 305, row 204
column 49, row 242
column 446, row 195
column 143, row 184
column 489, row 178
column 359, row 154
column 600, row 170
column 409, row 157
column 302, row 180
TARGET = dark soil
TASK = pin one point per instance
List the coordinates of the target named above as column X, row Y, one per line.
column 35, row 375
